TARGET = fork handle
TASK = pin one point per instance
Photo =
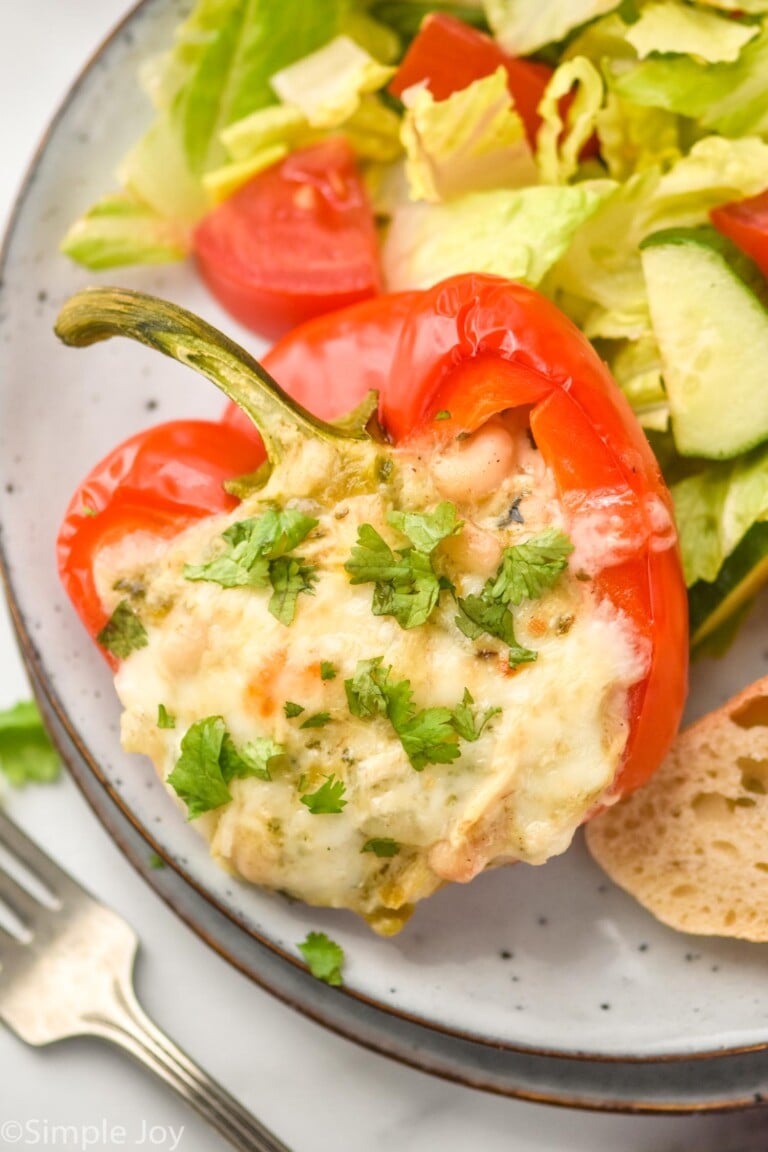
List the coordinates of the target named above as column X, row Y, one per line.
column 131, row 1029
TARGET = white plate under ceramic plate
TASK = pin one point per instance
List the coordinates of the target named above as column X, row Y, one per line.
column 551, row 960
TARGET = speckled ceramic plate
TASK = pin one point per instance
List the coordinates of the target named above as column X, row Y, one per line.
column 553, row 960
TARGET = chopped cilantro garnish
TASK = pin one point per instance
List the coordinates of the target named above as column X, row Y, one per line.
column 210, row 760
column 425, row 530
column 525, row 572
column 26, row 754
column 123, row 633
column 164, row 717
column 328, row 799
column 443, row 414
column 88, row 510
column 155, row 861
column 291, row 710
column 324, row 957
column 428, row 736
column 289, row 576
column 406, row 585
column 255, row 556
column 197, row 777
column 319, row 720
column 466, row 721
column 381, row 846
column 327, row 670
column 528, row 570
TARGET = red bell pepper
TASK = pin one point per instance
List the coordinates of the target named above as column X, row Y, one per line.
column 472, row 347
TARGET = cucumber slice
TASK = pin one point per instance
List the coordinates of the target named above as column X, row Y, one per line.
column 714, row 605
column 712, row 329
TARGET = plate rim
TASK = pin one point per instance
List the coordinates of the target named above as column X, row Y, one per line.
column 45, row 691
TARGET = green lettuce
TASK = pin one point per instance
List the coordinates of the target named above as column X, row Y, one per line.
column 716, row 507
column 472, row 141
column 120, row 230
column 599, row 281
column 217, row 73
column 517, row 233
column 670, row 27
column 523, row 26
column 326, row 86
column 731, row 98
column 559, row 142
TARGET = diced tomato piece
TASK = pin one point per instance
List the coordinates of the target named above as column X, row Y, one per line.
column 746, row 223
column 449, row 55
column 296, row 241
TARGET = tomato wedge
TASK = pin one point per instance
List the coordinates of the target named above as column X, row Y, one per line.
column 746, row 223
column 297, row 240
column 449, row 54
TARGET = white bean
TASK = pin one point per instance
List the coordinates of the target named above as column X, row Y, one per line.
column 476, row 466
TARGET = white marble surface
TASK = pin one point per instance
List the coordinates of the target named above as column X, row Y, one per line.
column 317, row 1091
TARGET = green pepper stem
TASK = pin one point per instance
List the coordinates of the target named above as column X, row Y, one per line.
column 100, row 313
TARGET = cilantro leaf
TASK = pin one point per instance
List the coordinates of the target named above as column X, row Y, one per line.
column 324, row 957
column 528, row 570
column 254, row 556
column 197, row 778
column 405, row 585
column 429, row 738
column 164, row 717
column 443, row 414
column 292, row 710
column 381, row 846
column 319, row 720
column 425, row 530
column 123, row 633
column 289, row 576
column 210, row 760
column 26, row 754
column 328, row 799
column 327, row 670
column 255, row 758
column 466, row 721
column 155, row 861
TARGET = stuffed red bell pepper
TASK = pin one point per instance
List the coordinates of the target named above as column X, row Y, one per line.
column 421, row 644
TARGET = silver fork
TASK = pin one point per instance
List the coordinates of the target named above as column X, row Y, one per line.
column 69, row 972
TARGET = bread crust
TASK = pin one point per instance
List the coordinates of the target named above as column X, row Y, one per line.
column 692, row 844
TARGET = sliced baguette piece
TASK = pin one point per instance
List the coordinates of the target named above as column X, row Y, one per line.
column 692, row 845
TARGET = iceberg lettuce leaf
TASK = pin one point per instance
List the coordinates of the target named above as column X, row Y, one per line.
column 120, row 230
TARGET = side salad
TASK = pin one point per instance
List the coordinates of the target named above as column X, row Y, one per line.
column 611, row 154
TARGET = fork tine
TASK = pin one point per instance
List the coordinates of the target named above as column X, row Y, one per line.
column 25, row 907
column 50, row 874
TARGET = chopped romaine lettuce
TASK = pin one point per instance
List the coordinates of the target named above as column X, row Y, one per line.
column 326, row 86
column 675, row 28
column 559, row 142
column 474, row 140
column 523, row 26
column 517, row 233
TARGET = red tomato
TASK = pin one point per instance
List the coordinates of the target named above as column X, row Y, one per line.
column 450, row 54
column 330, row 363
column 158, row 481
column 297, row 240
column 746, row 223
column 476, row 345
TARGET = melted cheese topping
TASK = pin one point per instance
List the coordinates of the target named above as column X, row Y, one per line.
column 517, row 793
